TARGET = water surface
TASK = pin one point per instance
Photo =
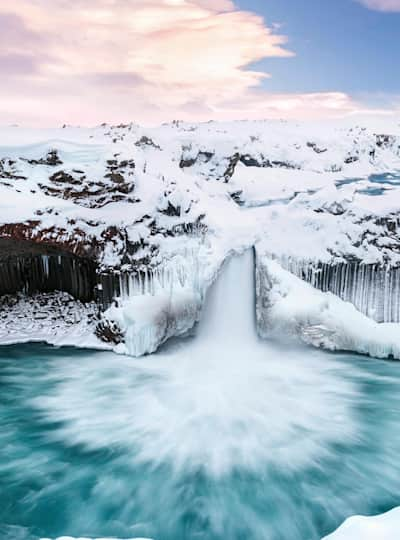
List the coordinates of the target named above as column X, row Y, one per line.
column 96, row 445
column 216, row 437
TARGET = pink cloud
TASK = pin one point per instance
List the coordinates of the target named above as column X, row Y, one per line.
column 382, row 5
column 17, row 64
column 143, row 60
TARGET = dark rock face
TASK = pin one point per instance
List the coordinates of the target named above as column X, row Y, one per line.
column 171, row 210
column 385, row 141
column 351, row 159
column 32, row 268
column 233, row 161
column 9, row 171
column 147, row 141
column 28, row 237
column 52, row 160
column 118, row 185
column 109, row 332
column 316, row 148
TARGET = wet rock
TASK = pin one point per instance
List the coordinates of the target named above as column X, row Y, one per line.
column 109, row 332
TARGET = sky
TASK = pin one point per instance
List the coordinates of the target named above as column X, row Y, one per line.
column 85, row 62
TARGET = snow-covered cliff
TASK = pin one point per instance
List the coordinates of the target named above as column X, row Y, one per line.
column 122, row 212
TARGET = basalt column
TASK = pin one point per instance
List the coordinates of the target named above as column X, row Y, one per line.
column 373, row 289
column 29, row 269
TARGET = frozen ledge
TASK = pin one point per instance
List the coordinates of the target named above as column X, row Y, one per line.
column 288, row 306
column 54, row 318
column 145, row 322
column 383, row 527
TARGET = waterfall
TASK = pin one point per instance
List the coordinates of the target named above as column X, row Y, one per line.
column 167, row 302
column 229, row 311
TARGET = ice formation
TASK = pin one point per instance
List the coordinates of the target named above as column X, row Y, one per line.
column 107, row 214
column 288, row 306
column 157, row 304
column 383, row 527
column 372, row 289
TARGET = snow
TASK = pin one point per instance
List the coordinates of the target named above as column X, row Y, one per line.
column 288, row 306
column 53, row 318
column 143, row 196
column 383, row 527
column 288, row 196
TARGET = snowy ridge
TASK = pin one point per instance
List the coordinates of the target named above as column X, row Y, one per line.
column 155, row 211
column 121, row 192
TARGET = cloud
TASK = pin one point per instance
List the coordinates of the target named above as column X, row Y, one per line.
column 143, row 60
column 381, row 5
column 13, row 32
column 17, row 64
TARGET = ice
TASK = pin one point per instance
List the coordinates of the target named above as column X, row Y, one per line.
column 288, row 187
column 383, row 527
column 288, row 306
column 147, row 320
column 372, row 289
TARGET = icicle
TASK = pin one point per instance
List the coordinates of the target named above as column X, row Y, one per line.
column 373, row 290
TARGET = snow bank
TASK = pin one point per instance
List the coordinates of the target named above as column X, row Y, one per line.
column 53, row 318
column 286, row 305
column 383, row 527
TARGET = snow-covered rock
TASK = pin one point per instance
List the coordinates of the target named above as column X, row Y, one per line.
column 54, row 318
column 124, row 201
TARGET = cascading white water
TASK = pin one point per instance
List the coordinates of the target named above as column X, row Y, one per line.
column 219, row 436
column 220, row 401
column 229, row 313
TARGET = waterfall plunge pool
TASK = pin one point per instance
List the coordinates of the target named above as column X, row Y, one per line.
column 216, row 437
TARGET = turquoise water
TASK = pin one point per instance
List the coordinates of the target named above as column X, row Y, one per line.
column 375, row 184
column 283, row 446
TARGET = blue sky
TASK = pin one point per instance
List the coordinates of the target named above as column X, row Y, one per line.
column 197, row 60
column 339, row 45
